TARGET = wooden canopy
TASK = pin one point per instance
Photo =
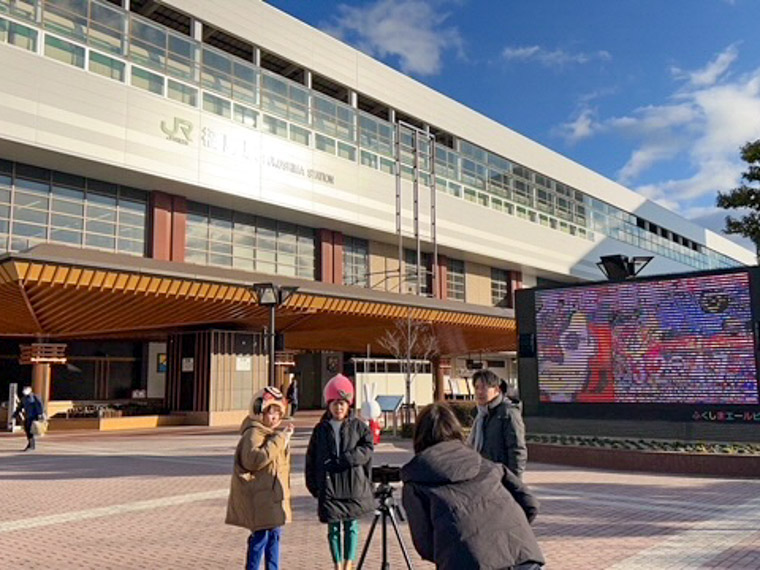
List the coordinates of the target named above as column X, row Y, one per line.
column 58, row 292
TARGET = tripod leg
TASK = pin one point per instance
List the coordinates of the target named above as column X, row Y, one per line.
column 368, row 541
column 400, row 540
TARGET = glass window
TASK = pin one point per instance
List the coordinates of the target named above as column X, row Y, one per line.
column 147, row 80
column 356, row 262
column 107, row 25
column 22, row 9
column 217, row 72
column 410, row 273
column 346, row 151
column 244, row 82
column 522, row 192
column 544, row 200
column 455, row 280
column 182, row 93
column 66, row 236
column 300, row 135
column 106, row 66
column 66, row 17
column 501, row 288
column 275, row 126
column 387, row 165
column 333, row 118
column 182, row 55
column 325, row 144
column 22, row 36
column 100, row 241
column 147, row 44
column 63, row 51
column 369, row 159
column 217, row 105
column 28, row 230
column 246, row 116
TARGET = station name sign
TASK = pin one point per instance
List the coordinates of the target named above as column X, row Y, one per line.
column 233, row 145
column 299, row 169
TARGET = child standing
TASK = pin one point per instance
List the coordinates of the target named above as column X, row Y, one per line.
column 260, row 490
column 338, row 471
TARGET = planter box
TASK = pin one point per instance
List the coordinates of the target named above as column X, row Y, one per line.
column 114, row 424
column 652, row 461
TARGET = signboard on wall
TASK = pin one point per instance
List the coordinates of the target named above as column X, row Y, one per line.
column 188, row 364
column 243, row 364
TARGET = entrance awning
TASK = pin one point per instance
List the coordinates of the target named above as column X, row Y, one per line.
column 59, row 292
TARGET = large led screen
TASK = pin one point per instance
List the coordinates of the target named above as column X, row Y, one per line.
column 687, row 340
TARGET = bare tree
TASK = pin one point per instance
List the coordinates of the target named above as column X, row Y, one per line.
column 407, row 341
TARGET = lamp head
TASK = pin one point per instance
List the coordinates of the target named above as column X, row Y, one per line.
column 266, row 293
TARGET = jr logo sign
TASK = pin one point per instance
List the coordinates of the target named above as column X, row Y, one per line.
column 180, row 132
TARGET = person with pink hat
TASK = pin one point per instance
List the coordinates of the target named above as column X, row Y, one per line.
column 260, row 490
column 338, row 471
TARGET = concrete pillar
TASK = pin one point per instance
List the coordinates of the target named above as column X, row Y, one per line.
column 178, row 228
column 325, row 256
column 437, row 370
column 337, row 258
column 41, row 382
column 160, row 226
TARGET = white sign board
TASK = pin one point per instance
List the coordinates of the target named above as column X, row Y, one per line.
column 188, row 364
column 243, row 364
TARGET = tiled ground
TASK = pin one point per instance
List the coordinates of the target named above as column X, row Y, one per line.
column 157, row 500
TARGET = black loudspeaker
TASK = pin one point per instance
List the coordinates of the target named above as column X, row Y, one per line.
column 279, row 342
column 527, row 346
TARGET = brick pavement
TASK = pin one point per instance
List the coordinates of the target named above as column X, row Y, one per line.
column 157, row 500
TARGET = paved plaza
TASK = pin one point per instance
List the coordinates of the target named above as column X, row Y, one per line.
column 156, row 499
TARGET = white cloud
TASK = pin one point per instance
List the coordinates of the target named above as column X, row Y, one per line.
column 705, row 122
column 553, row 58
column 414, row 31
column 710, row 73
column 582, row 127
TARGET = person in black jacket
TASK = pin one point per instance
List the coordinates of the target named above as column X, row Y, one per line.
column 292, row 396
column 498, row 432
column 338, row 471
column 463, row 510
column 30, row 406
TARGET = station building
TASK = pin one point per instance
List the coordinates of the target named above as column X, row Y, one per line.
column 157, row 159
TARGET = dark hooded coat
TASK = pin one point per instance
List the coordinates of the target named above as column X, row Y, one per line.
column 340, row 480
column 504, row 436
column 467, row 512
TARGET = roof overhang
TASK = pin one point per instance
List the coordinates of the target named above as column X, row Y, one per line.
column 59, row 292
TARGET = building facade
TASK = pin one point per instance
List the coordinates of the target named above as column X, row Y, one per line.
column 230, row 142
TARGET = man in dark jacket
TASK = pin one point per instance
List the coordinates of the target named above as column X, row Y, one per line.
column 31, row 408
column 465, row 511
column 498, row 432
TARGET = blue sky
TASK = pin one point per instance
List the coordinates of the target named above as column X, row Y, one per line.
column 656, row 94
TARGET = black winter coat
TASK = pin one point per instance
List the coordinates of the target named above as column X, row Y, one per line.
column 341, row 482
column 467, row 512
column 504, row 437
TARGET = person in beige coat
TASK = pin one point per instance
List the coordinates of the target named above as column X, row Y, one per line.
column 260, row 490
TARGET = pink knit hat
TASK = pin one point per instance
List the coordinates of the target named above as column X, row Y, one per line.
column 339, row 388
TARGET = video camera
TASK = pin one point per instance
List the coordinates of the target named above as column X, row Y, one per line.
column 386, row 474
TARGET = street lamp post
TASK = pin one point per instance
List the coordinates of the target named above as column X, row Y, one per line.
column 272, row 296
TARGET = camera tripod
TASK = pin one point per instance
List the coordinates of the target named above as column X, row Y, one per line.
column 386, row 507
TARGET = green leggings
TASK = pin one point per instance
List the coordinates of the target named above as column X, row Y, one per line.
column 350, row 540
